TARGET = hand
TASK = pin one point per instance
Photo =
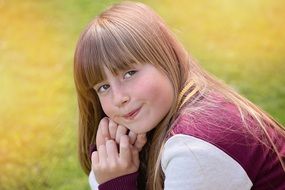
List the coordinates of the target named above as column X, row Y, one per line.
column 108, row 129
column 108, row 163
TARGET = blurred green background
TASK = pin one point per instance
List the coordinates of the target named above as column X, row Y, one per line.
column 242, row 42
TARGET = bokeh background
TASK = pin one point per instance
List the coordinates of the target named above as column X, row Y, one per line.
column 242, row 42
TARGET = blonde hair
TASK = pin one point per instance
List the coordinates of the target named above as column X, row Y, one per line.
column 129, row 33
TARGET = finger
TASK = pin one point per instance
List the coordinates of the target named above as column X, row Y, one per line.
column 102, row 154
column 133, row 137
column 101, row 133
column 135, row 154
column 140, row 141
column 95, row 158
column 120, row 132
column 105, row 129
column 112, row 151
column 125, row 151
column 112, row 129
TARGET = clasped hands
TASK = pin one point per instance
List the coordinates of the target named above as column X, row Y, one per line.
column 117, row 152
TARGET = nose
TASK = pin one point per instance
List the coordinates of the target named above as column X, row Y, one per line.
column 120, row 96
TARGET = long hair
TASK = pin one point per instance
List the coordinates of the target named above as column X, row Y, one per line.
column 129, row 33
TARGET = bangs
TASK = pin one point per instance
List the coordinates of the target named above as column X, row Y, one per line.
column 104, row 44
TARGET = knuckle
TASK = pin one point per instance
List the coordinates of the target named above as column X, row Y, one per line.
column 101, row 148
column 122, row 129
column 112, row 124
column 109, row 142
column 104, row 121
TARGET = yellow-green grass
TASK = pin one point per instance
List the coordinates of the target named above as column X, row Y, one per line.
column 242, row 42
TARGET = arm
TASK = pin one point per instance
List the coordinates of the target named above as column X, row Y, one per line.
column 191, row 164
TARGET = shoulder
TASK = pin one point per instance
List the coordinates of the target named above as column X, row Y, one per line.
column 222, row 127
column 185, row 160
column 220, row 124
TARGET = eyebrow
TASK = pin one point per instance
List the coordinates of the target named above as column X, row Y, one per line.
column 119, row 71
column 98, row 83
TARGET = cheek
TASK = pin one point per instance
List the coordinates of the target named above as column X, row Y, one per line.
column 106, row 106
column 158, row 93
column 146, row 90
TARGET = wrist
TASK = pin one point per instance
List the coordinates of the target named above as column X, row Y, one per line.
column 125, row 182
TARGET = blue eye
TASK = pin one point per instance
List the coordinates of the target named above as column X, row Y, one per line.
column 129, row 74
column 103, row 88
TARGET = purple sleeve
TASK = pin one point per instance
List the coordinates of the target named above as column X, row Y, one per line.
column 126, row 182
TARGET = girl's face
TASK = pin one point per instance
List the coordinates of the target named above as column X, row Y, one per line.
column 138, row 98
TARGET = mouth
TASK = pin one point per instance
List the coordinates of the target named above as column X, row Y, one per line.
column 131, row 115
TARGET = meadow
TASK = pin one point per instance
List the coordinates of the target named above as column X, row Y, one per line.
column 241, row 42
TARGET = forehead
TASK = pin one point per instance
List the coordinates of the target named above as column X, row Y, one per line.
column 108, row 72
column 113, row 49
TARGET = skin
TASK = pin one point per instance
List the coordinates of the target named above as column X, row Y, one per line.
column 135, row 101
column 109, row 161
column 108, row 130
column 142, row 87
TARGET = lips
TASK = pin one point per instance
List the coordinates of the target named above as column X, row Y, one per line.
column 132, row 114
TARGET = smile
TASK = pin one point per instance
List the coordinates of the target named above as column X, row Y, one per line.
column 132, row 114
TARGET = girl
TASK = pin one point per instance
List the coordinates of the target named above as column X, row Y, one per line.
column 133, row 78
